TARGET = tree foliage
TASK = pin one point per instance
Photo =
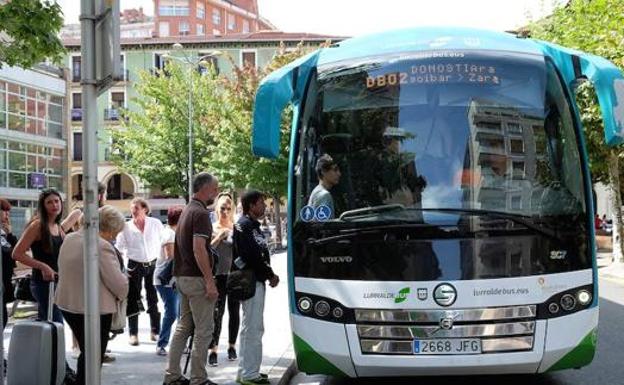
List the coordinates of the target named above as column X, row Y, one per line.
column 29, row 32
column 153, row 141
column 237, row 165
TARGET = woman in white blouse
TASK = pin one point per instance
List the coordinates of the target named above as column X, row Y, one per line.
column 139, row 242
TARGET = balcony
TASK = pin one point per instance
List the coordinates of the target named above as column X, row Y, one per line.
column 111, row 114
column 76, row 114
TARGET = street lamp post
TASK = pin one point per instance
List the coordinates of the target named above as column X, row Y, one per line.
column 193, row 63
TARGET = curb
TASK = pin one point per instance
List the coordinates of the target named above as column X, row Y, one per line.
column 290, row 372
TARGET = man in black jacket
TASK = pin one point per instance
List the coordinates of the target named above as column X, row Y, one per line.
column 251, row 251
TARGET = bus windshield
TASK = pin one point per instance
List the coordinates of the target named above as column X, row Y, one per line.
column 413, row 133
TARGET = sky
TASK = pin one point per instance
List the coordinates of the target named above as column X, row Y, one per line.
column 357, row 17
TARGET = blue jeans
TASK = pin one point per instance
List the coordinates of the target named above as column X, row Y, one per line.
column 40, row 290
column 169, row 297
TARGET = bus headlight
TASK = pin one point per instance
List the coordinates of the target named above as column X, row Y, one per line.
column 553, row 307
column 305, row 304
column 568, row 302
column 583, row 297
column 321, row 308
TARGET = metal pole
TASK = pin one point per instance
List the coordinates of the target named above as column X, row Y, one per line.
column 91, row 222
column 190, row 134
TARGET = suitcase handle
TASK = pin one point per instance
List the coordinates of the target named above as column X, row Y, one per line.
column 51, row 299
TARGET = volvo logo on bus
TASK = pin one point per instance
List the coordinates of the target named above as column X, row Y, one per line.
column 446, row 323
column 444, row 294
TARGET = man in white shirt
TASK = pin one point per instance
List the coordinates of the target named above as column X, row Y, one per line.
column 139, row 242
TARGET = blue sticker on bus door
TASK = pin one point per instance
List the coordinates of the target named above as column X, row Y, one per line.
column 323, row 213
column 307, row 213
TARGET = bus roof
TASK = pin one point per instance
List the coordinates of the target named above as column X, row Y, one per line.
column 426, row 39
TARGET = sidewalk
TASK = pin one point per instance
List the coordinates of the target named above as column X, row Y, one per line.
column 609, row 269
column 141, row 365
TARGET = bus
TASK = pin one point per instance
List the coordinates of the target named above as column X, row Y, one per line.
column 458, row 237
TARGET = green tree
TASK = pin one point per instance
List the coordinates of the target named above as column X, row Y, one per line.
column 238, row 167
column 153, row 141
column 29, row 32
column 594, row 27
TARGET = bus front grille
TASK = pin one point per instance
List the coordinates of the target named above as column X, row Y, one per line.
column 501, row 329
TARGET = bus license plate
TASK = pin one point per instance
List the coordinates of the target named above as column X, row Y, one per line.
column 448, row 346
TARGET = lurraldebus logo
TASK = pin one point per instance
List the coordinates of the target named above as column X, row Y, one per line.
column 400, row 296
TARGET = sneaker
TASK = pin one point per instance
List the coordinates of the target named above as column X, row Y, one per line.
column 255, row 381
column 212, row 359
column 161, row 351
column 232, row 354
column 134, row 341
column 154, row 337
column 107, row 359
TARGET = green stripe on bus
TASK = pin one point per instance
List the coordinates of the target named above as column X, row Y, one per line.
column 311, row 362
column 581, row 355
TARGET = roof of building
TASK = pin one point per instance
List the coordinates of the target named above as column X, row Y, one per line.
column 247, row 5
column 260, row 36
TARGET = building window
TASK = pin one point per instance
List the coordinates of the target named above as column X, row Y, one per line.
column 518, row 169
column 76, row 110
column 33, row 166
column 200, row 29
column 201, row 11
column 118, row 99
column 77, row 146
column 231, row 22
column 249, row 59
column 175, row 10
column 516, row 146
column 184, row 28
column 245, row 26
column 214, row 63
column 76, row 60
column 216, row 17
column 163, row 28
column 159, row 61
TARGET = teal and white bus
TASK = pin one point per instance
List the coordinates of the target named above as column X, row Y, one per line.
column 461, row 238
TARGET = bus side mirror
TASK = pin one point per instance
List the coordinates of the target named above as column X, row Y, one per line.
column 606, row 78
column 274, row 93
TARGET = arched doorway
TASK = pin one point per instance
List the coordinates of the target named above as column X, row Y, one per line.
column 120, row 187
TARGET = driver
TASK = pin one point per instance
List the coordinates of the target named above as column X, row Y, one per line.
column 328, row 174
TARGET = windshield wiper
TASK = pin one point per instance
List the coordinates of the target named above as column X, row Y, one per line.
column 516, row 218
column 368, row 211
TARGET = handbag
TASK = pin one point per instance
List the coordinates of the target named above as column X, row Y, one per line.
column 22, row 290
column 119, row 317
column 241, row 284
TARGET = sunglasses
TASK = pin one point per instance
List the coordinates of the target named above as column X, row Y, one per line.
column 223, row 208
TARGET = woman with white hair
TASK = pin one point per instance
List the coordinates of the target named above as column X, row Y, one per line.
column 113, row 282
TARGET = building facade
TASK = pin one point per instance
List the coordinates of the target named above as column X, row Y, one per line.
column 33, row 136
column 148, row 54
column 207, row 17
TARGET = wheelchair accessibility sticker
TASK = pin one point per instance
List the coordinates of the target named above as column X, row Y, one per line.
column 323, row 213
column 307, row 213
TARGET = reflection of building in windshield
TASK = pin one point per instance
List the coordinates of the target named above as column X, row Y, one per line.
column 502, row 152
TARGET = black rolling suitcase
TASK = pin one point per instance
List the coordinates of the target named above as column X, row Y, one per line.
column 37, row 351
